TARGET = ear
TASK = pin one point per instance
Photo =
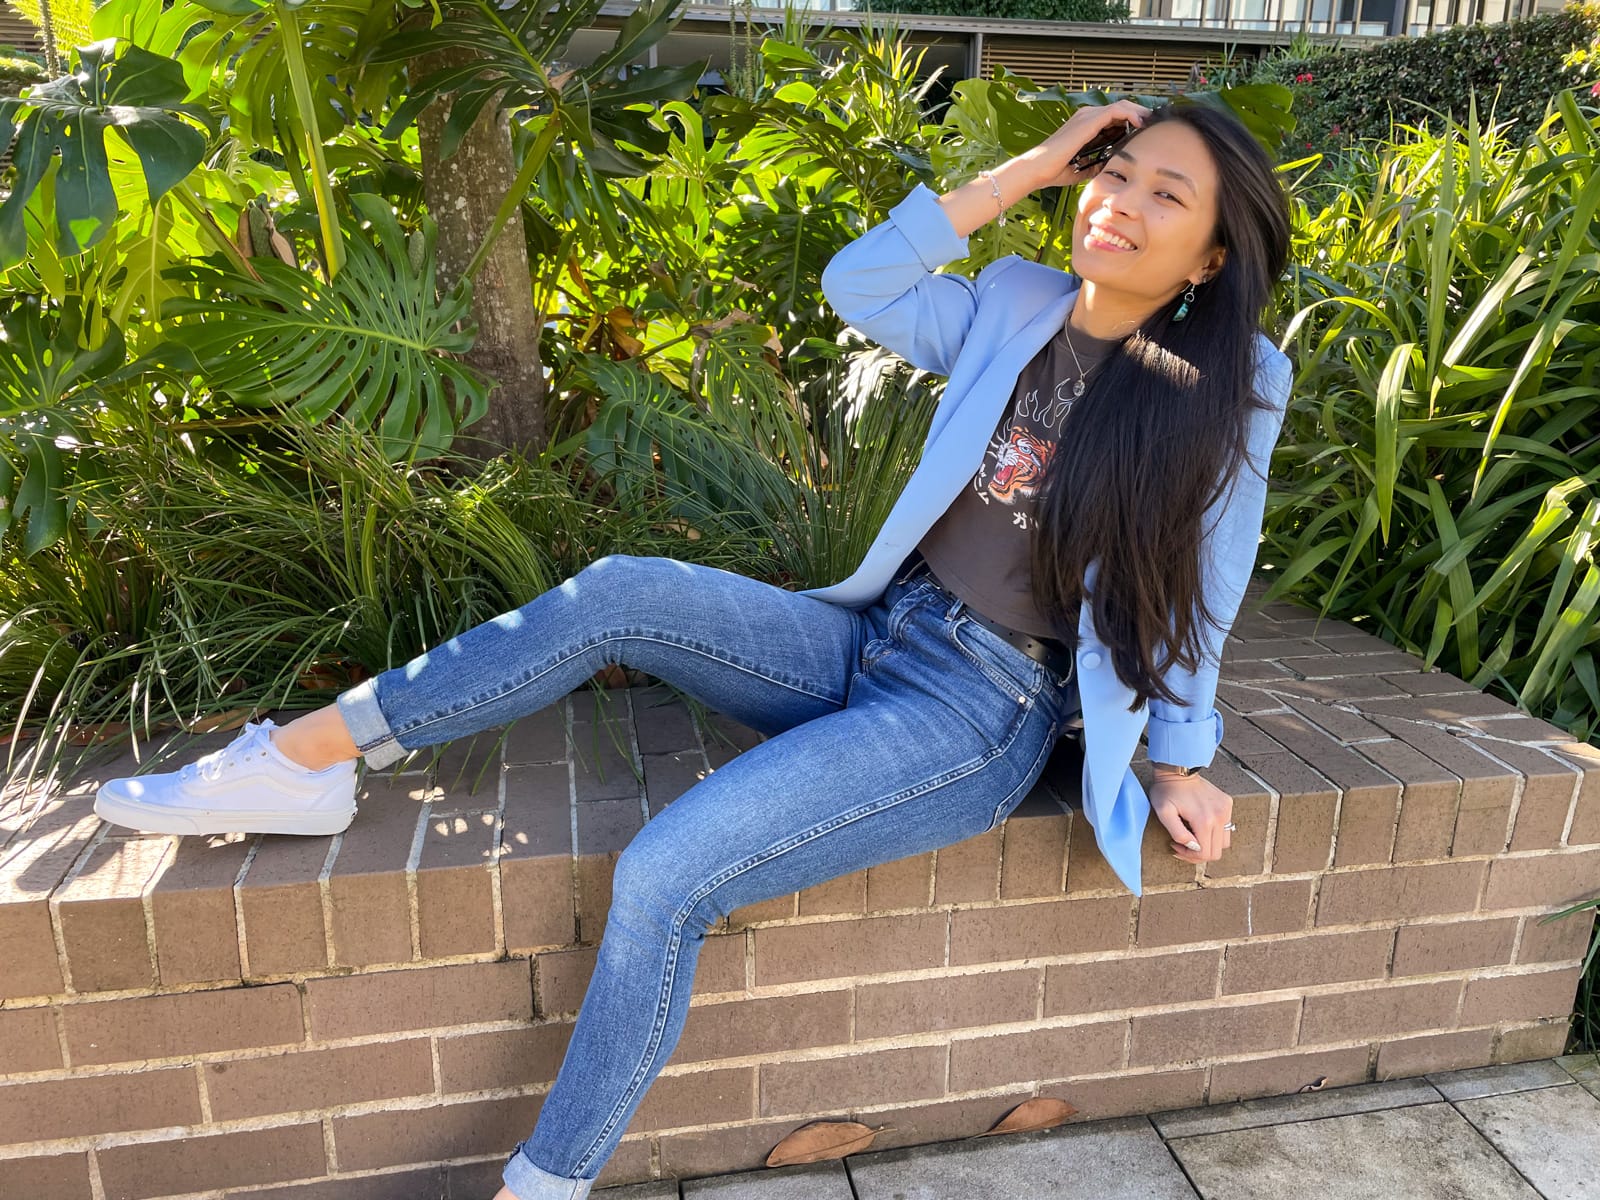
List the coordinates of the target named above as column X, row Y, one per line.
column 1213, row 265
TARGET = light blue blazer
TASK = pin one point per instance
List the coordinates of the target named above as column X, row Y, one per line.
column 980, row 333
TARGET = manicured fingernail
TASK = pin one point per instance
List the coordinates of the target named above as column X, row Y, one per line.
column 1192, row 845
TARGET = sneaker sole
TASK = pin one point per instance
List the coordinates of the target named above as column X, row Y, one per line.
column 208, row 821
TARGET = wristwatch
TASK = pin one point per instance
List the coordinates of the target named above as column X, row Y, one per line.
column 1183, row 772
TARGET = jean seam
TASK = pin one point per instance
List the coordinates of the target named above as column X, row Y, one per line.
column 585, row 648
column 989, row 670
column 681, row 917
column 1032, row 774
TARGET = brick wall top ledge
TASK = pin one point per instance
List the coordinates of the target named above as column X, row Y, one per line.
column 1340, row 751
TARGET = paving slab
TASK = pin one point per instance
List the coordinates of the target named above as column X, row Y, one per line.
column 1423, row 1152
column 1118, row 1159
column 1585, row 1068
column 1498, row 1080
column 1301, row 1106
column 808, row 1181
column 660, row 1189
column 1551, row 1135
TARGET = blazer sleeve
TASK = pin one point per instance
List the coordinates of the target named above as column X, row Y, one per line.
column 885, row 284
column 1188, row 735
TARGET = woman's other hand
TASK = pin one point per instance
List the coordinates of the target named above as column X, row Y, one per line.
column 1053, row 156
column 1193, row 808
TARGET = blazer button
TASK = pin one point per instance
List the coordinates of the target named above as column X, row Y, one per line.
column 1091, row 660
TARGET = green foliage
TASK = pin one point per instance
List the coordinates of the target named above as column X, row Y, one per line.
column 1015, row 10
column 1511, row 68
column 140, row 95
column 375, row 343
column 1438, row 471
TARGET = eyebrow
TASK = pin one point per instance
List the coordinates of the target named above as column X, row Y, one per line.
column 1167, row 171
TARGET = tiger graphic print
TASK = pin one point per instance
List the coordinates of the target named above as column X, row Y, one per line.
column 1019, row 465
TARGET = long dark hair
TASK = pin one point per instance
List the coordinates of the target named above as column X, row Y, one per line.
column 1161, row 433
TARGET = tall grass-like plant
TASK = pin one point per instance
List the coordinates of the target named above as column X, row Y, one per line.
column 1436, row 479
column 269, row 578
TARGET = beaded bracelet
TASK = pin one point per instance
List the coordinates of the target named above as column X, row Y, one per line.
column 998, row 199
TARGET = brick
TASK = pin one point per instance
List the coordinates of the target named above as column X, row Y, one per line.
column 917, row 1124
column 602, row 760
column 1548, row 790
column 1405, row 1058
column 721, row 964
column 769, row 1025
column 1428, row 683
column 540, row 737
column 828, row 1085
column 1540, row 880
column 1277, row 648
column 841, row 894
column 427, row 1183
column 369, row 903
column 777, row 908
column 197, row 1164
column 1552, row 939
column 1446, row 707
column 662, row 721
column 950, row 1002
column 1033, row 855
column 630, row 1162
column 1200, row 1033
column 715, row 1151
column 316, row 1079
column 461, row 1130
column 840, row 949
column 1246, row 854
column 1338, row 723
column 1346, row 640
column 536, row 867
column 1584, row 758
column 95, row 1104
column 696, row 1098
column 1044, row 930
column 1532, row 1043
column 1329, row 666
column 1453, row 946
column 1239, row 736
column 562, row 977
column 594, row 874
column 467, row 775
column 1088, row 873
column 503, row 1058
column 669, row 776
column 143, row 1027
column 1520, row 997
column 968, row 870
column 1518, row 727
column 1487, row 787
column 1306, row 805
column 1195, row 915
column 1429, row 803
column 1376, row 1011
column 280, row 902
column 455, row 891
column 101, row 915
column 425, row 998
column 1133, row 981
column 49, row 1177
column 192, row 911
column 28, row 948
column 1037, row 1054
column 1280, row 906
column 1389, row 893
column 1337, row 689
column 1130, row 1093
column 1299, row 962
column 28, row 1041
column 1286, row 1074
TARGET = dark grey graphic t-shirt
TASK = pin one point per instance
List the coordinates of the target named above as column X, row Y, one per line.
column 980, row 546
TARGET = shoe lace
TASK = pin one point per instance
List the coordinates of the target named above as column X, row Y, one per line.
column 210, row 767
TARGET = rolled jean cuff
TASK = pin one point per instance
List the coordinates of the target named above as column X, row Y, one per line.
column 528, row 1182
column 369, row 728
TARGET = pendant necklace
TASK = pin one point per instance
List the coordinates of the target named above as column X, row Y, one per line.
column 1078, row 387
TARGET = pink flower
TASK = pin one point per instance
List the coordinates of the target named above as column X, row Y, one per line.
column 1203, row 79
column 1335, row 129
column 1497, row 60
column 1308, row 145
column 1595, row 90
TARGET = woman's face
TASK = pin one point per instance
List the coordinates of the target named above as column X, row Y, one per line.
column 1159, row 192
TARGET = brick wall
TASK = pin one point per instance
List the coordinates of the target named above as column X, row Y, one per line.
column 378, row 1014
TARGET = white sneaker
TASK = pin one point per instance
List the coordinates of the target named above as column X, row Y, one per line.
column 249, row 786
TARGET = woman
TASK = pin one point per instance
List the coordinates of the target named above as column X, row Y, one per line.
column 914, row 704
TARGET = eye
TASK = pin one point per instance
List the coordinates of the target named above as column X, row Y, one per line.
column 1119, row 175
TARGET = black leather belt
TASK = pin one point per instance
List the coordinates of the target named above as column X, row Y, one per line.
column 1049, row 652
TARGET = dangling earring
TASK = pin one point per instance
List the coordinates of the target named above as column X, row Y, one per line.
column 1183, row 309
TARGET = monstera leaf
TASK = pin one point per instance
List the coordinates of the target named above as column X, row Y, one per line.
column 376, row 343
column 515, row 47
column 47, row 384
column 139, row 94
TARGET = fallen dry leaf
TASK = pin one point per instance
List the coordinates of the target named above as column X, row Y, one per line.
column 1042, row 1112
column 821, row 1140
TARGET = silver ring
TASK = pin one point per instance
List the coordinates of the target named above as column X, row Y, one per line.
column 1230, row 825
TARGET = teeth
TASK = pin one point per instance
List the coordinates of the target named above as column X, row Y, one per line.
column 1113, row 240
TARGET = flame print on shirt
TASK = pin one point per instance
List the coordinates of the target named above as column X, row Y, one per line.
column 1019, row 466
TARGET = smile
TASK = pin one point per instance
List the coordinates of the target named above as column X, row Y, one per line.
column 1106, row 241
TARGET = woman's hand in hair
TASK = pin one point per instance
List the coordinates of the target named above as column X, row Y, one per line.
column 1053, row 155
column 1193, row 808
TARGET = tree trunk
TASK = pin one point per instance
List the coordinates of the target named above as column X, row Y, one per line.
column 463, row 192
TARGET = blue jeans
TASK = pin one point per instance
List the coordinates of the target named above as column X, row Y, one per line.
column 893, row 730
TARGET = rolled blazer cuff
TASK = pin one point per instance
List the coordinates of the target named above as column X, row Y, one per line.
column 1184, row 743
column 926, row 226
